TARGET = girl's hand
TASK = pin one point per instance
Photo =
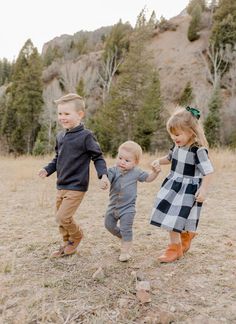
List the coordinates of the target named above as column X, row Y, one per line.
column 104, row 182
column 200, row 195
column 42, row 173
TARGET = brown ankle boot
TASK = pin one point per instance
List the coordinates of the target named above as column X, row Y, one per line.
column 172, row 253
column 125, row 251
column 186, row 238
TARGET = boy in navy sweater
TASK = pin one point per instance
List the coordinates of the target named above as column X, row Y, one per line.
column 75, row 148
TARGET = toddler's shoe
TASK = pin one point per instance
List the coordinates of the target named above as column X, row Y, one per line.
column 125, row 254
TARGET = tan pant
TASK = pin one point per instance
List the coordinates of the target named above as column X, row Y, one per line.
column 67, row 202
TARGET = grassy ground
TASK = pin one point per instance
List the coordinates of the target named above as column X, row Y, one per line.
column 200, row 288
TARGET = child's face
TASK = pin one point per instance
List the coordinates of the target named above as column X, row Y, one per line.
column 68, row 116
column 182, row 137
column 125, row 160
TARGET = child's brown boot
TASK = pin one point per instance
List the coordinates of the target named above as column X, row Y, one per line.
column 60, row 252
column 125, row 250
column 71, row 248
column 172, row 253
column 186, row 238
column 72, row 245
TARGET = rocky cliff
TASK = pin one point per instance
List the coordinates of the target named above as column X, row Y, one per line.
column 177, row 59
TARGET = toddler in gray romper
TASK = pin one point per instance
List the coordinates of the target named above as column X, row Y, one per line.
column 123, row 178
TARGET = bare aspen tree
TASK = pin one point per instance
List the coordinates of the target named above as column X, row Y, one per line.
column 109, row 68
column 216, row 63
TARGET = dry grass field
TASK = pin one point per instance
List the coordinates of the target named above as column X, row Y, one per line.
column 200, row 288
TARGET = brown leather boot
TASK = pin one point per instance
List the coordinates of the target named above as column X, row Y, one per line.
column 59, row 252
column 125, row 251
column 186, row 238
column 71, row 247
column 172, row 253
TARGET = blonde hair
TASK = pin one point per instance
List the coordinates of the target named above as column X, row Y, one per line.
column 77, row 100
column 185, row 120
column 133, row 148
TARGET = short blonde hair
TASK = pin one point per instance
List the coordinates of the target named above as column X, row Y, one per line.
column 78, row 101
column 133, row 148
column 185, row 120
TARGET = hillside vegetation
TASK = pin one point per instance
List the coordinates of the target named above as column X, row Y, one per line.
column 138, row 72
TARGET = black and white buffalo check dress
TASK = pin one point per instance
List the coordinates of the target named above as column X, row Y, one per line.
column 175, row 208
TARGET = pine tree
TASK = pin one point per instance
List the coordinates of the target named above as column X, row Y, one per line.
column 80, row 88
column 25, row 101
column 186, row 96
column 212, row 122
column 120, row 117
column 224, row 24
column 149, row 120
column 194, row 25
column 193, row 3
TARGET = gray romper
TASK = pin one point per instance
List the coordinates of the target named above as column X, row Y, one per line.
column 122, row 199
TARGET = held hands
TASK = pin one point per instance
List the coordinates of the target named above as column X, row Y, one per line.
column 156, row 166
column 42, row 173
column 104, row 182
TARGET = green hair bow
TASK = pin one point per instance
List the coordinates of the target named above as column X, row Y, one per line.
column 194, row 111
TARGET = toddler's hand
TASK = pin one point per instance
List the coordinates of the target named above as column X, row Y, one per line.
column 156, row 168
column 42, row 173
column 104, row 182
column 155, row 163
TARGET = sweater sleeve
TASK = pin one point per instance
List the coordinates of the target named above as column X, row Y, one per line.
column 94, row 151
column 52, row 166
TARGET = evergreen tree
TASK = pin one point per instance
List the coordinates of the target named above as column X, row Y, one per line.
column 5, row 71
column 25, row 102
column 194, row 25
column 153, row 22
column 193, row 3
column 212, row 122
column 149, row 116
column 141, row 19
column 186, row 96
column 80, row 88
column 117, row 41
column 224, row 24
column 120, row 117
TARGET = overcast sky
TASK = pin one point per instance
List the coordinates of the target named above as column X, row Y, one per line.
column 42, row 20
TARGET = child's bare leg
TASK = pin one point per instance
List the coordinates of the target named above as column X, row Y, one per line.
column 174, row 237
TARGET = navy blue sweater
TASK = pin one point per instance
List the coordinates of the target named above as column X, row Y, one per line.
column 75, row 149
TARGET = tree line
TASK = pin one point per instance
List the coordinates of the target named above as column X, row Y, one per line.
column 131, row 103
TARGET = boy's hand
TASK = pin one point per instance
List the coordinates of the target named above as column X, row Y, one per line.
column 104, row 182
column 42, row 173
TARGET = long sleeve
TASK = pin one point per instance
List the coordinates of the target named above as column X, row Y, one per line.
column 52, row 166
column 95, row 152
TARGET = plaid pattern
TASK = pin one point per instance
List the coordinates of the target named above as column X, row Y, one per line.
column 175, row 208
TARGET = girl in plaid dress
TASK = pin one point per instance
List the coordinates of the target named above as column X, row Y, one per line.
column 179, row 201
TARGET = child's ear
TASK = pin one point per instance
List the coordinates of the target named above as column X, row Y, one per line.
column 81, row 114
